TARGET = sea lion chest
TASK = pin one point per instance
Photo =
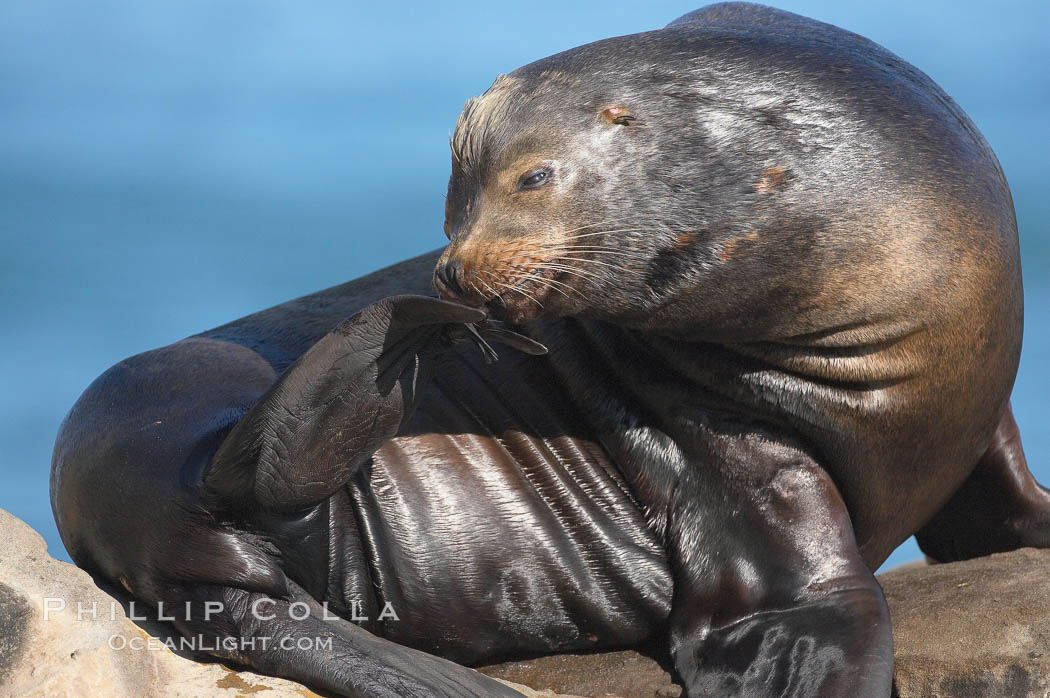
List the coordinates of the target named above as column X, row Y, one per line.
column 496, row 521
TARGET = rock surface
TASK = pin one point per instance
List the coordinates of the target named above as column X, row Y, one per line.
column 974, row 629
column 979, row 628
column 623, row 674
column 47, row 650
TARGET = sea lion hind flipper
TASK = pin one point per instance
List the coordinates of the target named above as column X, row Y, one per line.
column 332, row 408
column 298, row 639
column 772, row 597
column 999, row 507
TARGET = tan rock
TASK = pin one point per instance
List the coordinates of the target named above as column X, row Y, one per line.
column 622, row 674
column 47, row 650
column 974, row 629
column 979, row 628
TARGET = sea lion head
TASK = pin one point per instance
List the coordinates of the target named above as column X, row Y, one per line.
column 664, row 179
column 534, row 226
column 599, row 183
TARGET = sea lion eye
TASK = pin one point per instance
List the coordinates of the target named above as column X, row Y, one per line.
column 535, row 179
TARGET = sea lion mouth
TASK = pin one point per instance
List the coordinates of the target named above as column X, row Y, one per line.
column 523, row 296
column 512, row 283
column 558, row 274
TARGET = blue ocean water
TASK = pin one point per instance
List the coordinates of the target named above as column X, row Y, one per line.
column 168, row 166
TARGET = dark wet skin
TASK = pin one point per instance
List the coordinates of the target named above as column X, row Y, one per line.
column 723, row 468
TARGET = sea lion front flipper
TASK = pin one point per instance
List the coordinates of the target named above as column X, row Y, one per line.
column 332, row 408
column 771, row 595
column 296, row 638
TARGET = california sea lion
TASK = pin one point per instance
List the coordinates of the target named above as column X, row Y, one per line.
column 776, row 268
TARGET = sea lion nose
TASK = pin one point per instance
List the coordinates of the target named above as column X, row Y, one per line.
column 449, row 280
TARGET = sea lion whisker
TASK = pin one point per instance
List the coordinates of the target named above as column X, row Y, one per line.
column 584, row 257
column 559, row 266
column 515, row 289
column 588, row 246
column 523, row 273
column 568, row 238
column 591, row 225
column 593, row 248
column 545, row 282
column 572, row 271
column 618, row 267
column 547, row 265
column 506, row 250
column 553, row 284
column 494, row 292
column 526, row 294
column 472, row 287
column 600, row 250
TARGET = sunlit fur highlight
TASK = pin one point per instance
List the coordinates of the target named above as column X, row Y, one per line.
column 480, row 118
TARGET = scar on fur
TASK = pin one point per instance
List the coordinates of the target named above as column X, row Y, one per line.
column 733, row 246
column 618, row 116
column 684, row 240
column 771, row 179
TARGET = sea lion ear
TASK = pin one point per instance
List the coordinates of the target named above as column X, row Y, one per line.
column 619, row 116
